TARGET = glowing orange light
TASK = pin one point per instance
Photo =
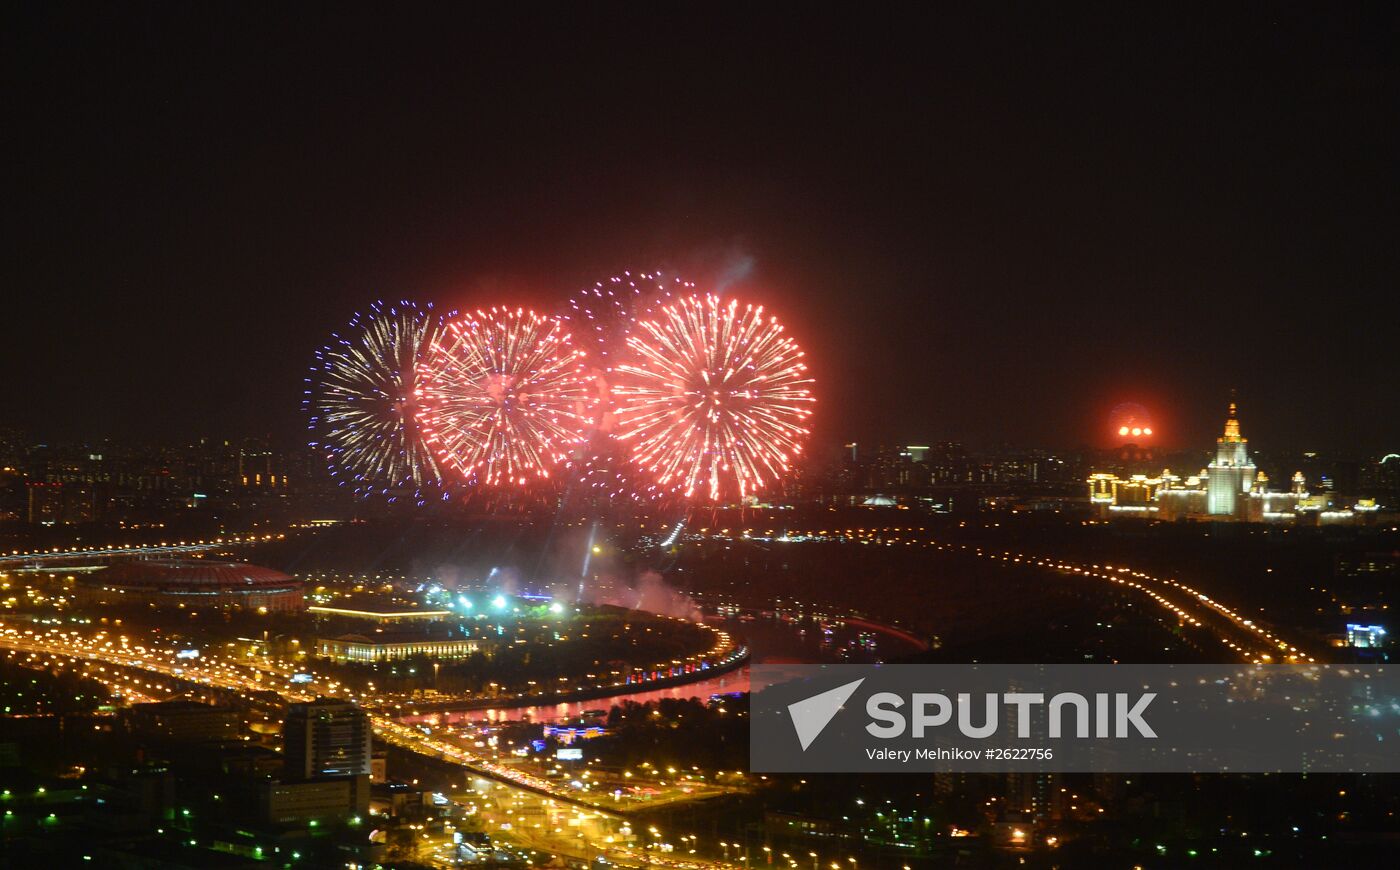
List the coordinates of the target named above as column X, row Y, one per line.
column 1130, row 420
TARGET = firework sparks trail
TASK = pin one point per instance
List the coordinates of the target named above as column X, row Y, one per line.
column 715, row 399
column 503, row 396
column 362, row 407
column 602, row 318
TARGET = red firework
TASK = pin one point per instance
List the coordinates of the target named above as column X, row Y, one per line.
column 715, row 398
column 504, row 396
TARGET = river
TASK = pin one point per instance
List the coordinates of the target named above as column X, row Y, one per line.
column 731, row 681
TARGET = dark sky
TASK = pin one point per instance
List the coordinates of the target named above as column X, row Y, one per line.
column 989, row 228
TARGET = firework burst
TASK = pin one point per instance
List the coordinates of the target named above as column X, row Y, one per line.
column 715, row 398
column 602, row 318
column 361, row 402
column 504, row 397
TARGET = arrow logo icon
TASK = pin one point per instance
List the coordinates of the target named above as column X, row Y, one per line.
column 811, row 716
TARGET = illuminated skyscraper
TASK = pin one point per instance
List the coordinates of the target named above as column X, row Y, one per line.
column 1231, row 474
column 326, row 751
column 326, row 738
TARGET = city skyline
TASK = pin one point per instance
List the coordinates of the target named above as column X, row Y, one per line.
column 614, row 437
column 1092, row 435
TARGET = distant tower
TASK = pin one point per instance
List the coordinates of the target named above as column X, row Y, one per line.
column 1261, row 483
column 1231, row 474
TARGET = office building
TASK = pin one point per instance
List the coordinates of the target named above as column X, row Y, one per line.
column 325, row 738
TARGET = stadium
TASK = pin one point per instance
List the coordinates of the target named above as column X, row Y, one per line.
column 195, row 583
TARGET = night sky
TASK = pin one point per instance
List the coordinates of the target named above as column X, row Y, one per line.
column 988, row 229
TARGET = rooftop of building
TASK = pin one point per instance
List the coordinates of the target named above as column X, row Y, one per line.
column 390, row 637
column 377, row 608
column 187, row 573
column 176, row 705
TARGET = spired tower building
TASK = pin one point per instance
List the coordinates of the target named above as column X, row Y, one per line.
column 1231, row 474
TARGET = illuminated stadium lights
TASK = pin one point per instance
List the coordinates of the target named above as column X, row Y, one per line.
column 388, row 648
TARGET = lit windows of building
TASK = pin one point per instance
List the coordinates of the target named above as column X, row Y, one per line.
column 1365, row 636
column 1232, row 472
column 325, row 738
column 326, row 753
column 1133, row 494
column 1230, row 488
column 391, row 647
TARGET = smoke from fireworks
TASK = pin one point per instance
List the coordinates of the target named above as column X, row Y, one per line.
column 649, row 592
column 360, row 398
column 504, row 396
column 715, row 398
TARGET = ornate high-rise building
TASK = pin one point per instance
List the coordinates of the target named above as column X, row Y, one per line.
column 1230, row 489
column 1231, row 474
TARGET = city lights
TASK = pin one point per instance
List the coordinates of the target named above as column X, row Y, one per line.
column 476, row 437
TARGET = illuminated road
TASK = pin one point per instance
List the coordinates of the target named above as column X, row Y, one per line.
column 59, row 556
column 528, row 810
column 520, row 806
column 1243, row 637
column 1192, row 608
